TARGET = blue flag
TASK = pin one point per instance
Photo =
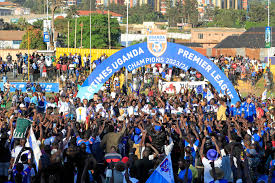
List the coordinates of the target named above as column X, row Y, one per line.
column 163, row 173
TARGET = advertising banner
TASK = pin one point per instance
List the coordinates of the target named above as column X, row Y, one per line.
column 47, row 87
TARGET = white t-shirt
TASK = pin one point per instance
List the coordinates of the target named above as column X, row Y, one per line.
column 53, row 105
column 48, row 62
column 131, row 110
column 64, row 107
column 15, row 152
column 71, row 66
column 207, row 167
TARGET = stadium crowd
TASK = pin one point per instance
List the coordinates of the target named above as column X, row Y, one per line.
column 121, row 136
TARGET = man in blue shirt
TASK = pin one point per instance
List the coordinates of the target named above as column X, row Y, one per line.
column 88, row 140
column 249, row 110
column 236, row 110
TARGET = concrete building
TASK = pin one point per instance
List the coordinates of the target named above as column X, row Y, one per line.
column 112, row 14
column 11, row 39
column 210, row 37
column 230, row 4
column 5, row 11
column 71, row 2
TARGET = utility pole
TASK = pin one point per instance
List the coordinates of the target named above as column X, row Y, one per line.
column 81, row 30
column 28, row 54
column 127, row 31
column 109, row 28
column 69, row 34
column 75, row 32
column 268, row 24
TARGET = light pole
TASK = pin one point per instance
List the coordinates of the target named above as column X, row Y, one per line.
column 109, row 27
column 127, row 29
column 268, row 24
column 48, row 23
column 90, row 36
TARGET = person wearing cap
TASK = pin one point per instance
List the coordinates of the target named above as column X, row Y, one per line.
column 212, row 155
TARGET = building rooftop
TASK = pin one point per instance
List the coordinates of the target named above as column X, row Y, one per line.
column 11, row 35
column 86, row 13
column 6, row 3
column 252, row 38
column 218, row 29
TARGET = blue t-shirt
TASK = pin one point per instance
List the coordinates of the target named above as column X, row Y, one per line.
column 88, row 142
column 34, row 100
column 189, row 176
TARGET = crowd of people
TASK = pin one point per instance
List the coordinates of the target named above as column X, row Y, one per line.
column 122, row 137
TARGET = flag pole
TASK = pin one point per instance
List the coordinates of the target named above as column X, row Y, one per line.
column 28, row 54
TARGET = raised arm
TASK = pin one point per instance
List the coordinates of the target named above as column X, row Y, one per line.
column 202, row 147
column 215, row 142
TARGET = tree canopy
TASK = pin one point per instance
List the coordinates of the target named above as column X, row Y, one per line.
column 35, row 38
column 99, row 31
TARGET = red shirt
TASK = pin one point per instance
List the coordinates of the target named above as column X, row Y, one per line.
column 56, row 100
column 58, row 66
column 64, row 67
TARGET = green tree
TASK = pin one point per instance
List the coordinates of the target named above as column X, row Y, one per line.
column 191, row 11
column 118, row 8
column 35, row 38
column 228, row 18
column 38, row 24
column 71, row 12
column 175, row 13
column 99, row 32
column 22, row 23
column 257, row 12
column 36, row 6
column 85, row 5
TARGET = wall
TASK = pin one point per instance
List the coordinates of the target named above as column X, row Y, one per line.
column 252, row 53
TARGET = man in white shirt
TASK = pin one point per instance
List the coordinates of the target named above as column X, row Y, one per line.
column 64, row 106
column 16, row 151
column 212, row 157
column 51, row 103
column 81, row 114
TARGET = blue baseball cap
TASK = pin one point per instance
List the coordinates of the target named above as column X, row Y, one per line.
column 212, row 154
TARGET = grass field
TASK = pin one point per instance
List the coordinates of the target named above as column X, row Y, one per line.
column 258, row 89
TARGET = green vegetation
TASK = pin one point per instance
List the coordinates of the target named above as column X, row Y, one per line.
column 99, row 31
column 35, row 38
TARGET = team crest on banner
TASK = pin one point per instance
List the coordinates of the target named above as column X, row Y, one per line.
column 156, row 42
column 164, row 166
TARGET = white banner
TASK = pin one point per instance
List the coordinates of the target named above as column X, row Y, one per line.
column 169, row 87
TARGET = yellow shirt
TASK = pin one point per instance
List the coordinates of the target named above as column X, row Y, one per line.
column 121, row 80
column 221, row 113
